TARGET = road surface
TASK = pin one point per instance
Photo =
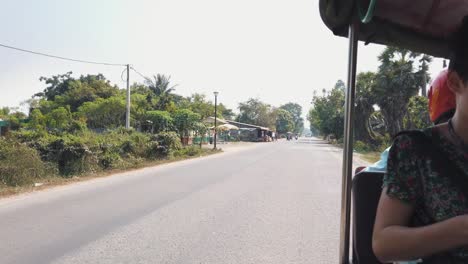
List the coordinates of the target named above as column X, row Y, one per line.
column 266, row 203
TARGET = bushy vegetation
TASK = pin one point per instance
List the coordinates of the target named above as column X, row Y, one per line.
column 75, row 127
column 387, row 101
column 19, row 164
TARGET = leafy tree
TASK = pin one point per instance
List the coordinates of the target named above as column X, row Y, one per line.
column 327, row 113
column 56, row 85
column 418, row 113
column 65, row 90
column 257, row 113
column 104, row 113
column 284, row 121
column 185, row 121
column 4, row 112
column 205, row 108
column 138, row 88
column 200, row 130
column 225, row 112
column 37, row 120
column 16, row 120
column 161, row 121
column 139, row 107
column 200, row 105
column 59, row 118
column 296, row 112
column 340, row 85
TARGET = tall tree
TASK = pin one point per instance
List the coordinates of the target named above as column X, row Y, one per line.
column 296, row 112
column 340, row 85
column 396, row 83
column 56, row 85
column 64, row 90
column 162, row 89
column 104, row 113
column 200, row 105
column 59, row 118
column 327, row 113
column 4, row 112
column 161, row 121
column 226, row 113
column 365, row 102
column 160, row 84
column 255, row 112
column 284, row 121
column 185, row 121
column 423, row 73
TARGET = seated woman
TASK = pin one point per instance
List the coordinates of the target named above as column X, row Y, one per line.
column 423, row 209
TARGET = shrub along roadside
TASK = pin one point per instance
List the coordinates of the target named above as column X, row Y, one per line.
column 19, row 164
column 29, row 157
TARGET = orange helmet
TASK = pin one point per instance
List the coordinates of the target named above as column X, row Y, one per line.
column 441, row 98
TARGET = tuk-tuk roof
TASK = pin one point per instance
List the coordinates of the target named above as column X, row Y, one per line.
column 418, row 25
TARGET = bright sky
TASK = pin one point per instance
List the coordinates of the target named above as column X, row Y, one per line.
column 275, row 50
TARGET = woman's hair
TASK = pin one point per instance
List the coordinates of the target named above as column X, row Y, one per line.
column 459, row 50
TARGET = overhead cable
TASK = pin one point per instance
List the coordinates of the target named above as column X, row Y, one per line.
column 137, row 72
column 59, row 57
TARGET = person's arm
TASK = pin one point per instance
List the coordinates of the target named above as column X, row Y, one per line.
column 393, row 240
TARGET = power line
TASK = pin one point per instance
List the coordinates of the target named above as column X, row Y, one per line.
column 59, row 57
column 137, row 72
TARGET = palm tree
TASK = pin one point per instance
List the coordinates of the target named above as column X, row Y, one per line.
column 160, row 86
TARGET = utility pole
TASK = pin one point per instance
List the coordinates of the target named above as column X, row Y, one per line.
column 127, row 116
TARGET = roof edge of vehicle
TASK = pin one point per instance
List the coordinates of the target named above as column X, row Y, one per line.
column 420, row 25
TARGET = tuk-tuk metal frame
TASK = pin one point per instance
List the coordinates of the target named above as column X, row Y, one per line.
column 347, row 169
column 346, row 19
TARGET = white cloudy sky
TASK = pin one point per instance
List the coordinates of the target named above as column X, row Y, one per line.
column 276, row 50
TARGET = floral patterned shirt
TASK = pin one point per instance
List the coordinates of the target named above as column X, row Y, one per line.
column 417, row 179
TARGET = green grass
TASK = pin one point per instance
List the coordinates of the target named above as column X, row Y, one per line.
column 371, row 156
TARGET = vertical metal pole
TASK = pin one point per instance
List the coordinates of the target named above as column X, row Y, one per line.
column 348, row 147
column 216, row 119
column 127, row 116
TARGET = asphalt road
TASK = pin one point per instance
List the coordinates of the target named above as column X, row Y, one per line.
column 266, row 203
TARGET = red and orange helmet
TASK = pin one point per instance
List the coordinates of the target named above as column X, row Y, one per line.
column 441, row 98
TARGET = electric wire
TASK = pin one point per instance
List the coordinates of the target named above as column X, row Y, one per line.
column 59, row 57
column 141, row 75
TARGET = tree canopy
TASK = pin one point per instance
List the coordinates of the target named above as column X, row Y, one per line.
column 296, row 113
column 387, row 100
column 256, row 112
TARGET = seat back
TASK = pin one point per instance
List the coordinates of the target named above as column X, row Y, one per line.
column 366, row 190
